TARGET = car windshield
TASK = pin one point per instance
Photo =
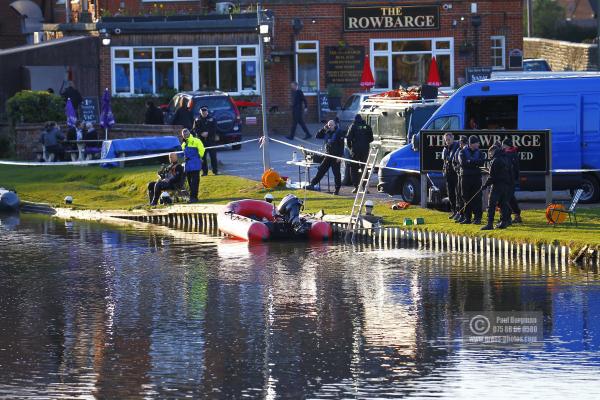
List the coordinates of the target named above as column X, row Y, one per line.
column 391, row 124
column 418, row 117
column 535, row 66
column 216, row 103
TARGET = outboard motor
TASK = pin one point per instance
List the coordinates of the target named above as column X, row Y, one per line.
column 289, row 209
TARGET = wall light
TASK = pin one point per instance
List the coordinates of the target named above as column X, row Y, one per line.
column 264, row 29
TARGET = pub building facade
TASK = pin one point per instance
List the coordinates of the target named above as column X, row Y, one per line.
column 320, row 44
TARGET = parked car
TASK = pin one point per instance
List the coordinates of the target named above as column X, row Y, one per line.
column 568, row 106
column 222, row 107
column 536, row 64
column 352, row 107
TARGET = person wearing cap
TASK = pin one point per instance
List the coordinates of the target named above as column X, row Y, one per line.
column 359, row 138
column 193, row 151
column 460, row 202
column 205, row 128
column 471, row 160
column 501, row 180
column 512, row 155
column 450, row 149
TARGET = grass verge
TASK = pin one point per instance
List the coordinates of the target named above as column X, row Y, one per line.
column 96, row 188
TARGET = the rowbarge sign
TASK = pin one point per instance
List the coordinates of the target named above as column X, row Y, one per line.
column 391, row 18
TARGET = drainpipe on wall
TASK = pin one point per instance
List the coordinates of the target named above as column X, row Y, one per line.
column 598, row 37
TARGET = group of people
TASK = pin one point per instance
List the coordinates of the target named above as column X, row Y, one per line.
column 55, row 143
column 463, row 165
column 194, row 143
column 358, row 138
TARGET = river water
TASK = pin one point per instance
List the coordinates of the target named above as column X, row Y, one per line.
column 94, row 311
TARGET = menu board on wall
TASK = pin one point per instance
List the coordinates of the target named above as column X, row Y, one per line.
column 343, row 65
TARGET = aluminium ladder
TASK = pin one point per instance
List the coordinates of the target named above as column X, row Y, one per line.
column 359, row 200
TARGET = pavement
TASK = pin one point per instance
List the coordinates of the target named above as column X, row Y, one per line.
column 248, row 163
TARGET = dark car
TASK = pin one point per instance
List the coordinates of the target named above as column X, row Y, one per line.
column 221, row 107
column 536, row 64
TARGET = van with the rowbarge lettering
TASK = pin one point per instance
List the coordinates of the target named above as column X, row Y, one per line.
column 569, row 106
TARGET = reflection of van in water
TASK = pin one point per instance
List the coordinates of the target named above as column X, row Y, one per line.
column 568, row 106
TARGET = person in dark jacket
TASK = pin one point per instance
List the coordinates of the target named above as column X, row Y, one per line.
column 193, row 151
column 205, row 128
column 471, row 161
column 501, row 181
column 334, row 145
column 455, row 162
column 170, row 177
column 70, row 92
column 450, row 149
column 512, row 155
column 184, row 116
column 299, row 107
column 359, row 138
column 154, row 115
column 52, row 139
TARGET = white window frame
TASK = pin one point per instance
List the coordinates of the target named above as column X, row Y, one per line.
column 310, row 51
column 434, row 52
column 176, row 60
column 502, row 38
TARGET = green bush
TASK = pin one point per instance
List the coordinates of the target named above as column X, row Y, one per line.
column 35, row 106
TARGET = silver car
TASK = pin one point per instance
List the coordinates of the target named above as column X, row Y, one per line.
column 352, row 107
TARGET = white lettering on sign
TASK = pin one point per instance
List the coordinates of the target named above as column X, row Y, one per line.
column 352, row 23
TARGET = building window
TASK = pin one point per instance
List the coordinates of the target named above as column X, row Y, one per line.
column 307, row 66
column 406, row 62
column 498, row 52
column 153, row 70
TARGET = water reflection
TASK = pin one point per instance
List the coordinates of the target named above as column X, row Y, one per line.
column 90, row 310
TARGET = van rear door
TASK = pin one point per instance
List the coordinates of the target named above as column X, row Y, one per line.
column 591, row 131
column 562, row 115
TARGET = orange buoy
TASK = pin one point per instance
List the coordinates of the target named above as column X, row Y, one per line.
column 553, row 216
column 271, row 179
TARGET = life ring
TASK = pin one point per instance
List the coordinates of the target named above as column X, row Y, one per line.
column 553, row 217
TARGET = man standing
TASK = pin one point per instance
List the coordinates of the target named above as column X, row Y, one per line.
column 205, row 128
column 71, row 93
column 460, row 201
column 183, row 116
column 448, row 153
column 471, row 161
column 193, row 151
column 334, row 145
column 359, row 138
column 512, row 155
column 501, row 181
column 171, row 177
column 299, row 107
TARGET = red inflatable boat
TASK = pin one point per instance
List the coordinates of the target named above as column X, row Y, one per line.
column 257, row 220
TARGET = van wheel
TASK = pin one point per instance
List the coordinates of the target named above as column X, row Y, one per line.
column 591, row 189
column 411, row 191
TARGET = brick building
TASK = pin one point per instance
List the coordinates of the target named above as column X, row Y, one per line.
column 185, row 46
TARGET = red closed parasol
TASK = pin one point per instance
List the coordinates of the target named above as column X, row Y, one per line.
column 434, row 74
column 366, row 80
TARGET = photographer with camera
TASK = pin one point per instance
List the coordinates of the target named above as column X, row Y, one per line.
column 170, row 177
column 334, row 145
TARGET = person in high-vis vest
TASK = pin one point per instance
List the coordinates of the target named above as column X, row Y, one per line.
column 193, row 151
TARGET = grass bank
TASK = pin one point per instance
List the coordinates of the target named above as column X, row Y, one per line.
column 101, row 189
